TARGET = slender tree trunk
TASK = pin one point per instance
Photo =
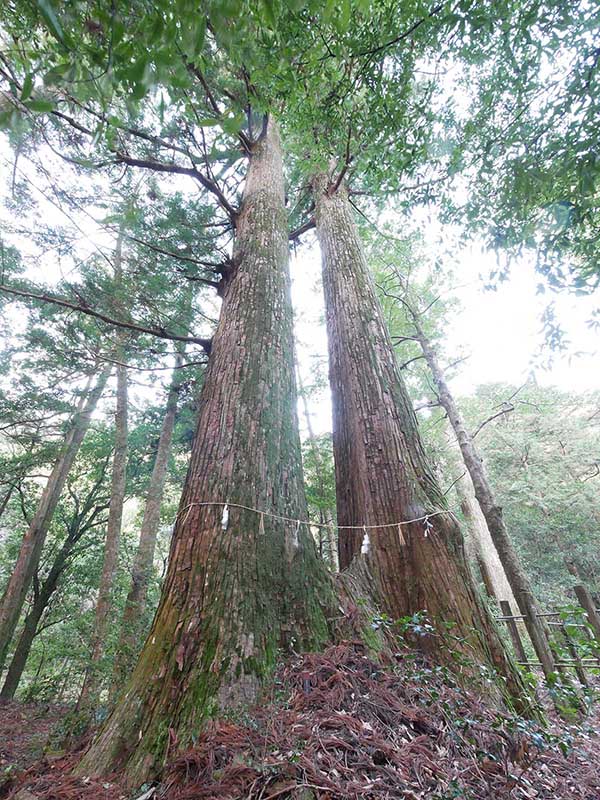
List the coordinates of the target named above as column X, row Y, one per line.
column 325, row 517
column 40, row 603
column 6, row 499
column 111, row 547
column 239, row 585
column 519, row 582
column 33, row 540
column 76, row 528
column 144, row 557
column 382, row 475
column 492, row 571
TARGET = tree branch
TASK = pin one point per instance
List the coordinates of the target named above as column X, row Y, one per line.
column 176, row 169
column 404, row 35
column 306, row 226
column 245, row 142
column 410, row 361
column 508, row 407
column 347, row 161
column 216, row 267
column 159, row 332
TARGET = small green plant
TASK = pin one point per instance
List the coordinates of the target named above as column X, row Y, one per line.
column 416, row 624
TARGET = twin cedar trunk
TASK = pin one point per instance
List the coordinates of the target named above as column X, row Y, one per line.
column 35, row 537
column 382, row 476
column 239, row 586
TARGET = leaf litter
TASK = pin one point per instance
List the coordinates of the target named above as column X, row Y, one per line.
column 341, row 725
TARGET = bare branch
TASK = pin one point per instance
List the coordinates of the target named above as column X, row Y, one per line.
column 430, row 404
column 454, row 482
column 176, row 169
column 306, row 226
column 410, row 361
column 508, row 407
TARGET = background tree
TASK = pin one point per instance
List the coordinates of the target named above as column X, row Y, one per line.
column 86, row 515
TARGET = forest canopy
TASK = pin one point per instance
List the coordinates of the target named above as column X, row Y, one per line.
column 246, row 247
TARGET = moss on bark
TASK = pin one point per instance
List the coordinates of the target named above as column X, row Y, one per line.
column 232, row 598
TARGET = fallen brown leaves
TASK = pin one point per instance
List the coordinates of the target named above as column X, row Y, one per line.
column 340, row 726
column 24, row 729
column 351, row 729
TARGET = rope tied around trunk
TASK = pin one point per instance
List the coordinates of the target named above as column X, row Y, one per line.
column 425, row 518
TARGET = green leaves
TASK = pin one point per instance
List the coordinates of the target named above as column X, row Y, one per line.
column 59, row 72
column 232, row 124
column 270, row 14
column 52, row 21
column 27, row 87
column 40, row 106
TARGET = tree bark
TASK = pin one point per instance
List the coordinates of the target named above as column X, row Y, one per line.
column 239, row 585
column 92, row 677
column 6, row 499
column 486, row 555
column 33, row 541
column 382, row 475
column 141, row 571
column 519, row 582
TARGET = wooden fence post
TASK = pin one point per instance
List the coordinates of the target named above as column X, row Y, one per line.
column 586, row 602
column 513, row 630
column 539, row 633
column 578, row 666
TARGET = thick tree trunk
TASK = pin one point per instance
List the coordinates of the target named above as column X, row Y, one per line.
column 486, row 555
column 33, row 541
column 239, row 585
column 129, row 641
column 382, row 476
column 519, row 582
column 111, row 546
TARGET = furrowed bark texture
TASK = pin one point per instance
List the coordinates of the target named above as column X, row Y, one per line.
column 536, row 627
column 235, row 590
column 381, row 471
column 35, row 537
column 111, row 545
column 129, row 641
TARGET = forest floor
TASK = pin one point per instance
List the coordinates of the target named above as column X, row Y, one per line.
column 340, row 726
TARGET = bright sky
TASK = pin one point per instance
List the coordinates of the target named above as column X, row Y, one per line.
column 500, row 331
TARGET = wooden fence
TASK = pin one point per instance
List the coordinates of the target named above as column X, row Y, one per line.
column 563, row 641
